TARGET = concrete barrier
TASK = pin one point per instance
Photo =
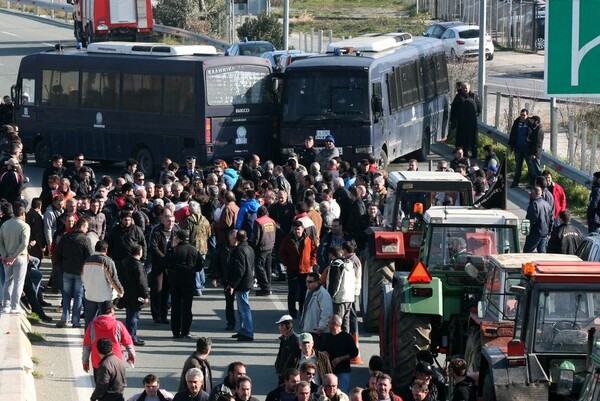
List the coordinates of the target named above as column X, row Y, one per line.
column 16, row 374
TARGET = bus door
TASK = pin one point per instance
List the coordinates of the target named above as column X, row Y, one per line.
column 26, row 111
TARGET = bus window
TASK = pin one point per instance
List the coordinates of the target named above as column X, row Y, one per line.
column 409, row 83
column 141, row 93
column 60, row 88
column 28, row 91
column 100, row 90
column 441, row 74
column 392, row 92
column 236, row 85
column 428, row 71
column 179, row 95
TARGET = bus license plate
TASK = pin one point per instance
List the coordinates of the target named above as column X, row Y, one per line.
column 241, row 141
column 321, row 134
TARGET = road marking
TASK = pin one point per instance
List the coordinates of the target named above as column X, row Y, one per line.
column 49, row 44
column 9, row 33
column 84, row 384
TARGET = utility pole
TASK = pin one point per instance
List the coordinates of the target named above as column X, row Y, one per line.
column 286, row 23
column 481, row 70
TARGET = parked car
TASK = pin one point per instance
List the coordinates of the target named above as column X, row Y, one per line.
column 463, row 41
column 437, row 30
column 289, row 58
column 274, row 56
column 250, row 48
column 589, row 249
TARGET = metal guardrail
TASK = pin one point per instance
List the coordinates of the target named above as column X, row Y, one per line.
column 169, row 30
column 551, row 161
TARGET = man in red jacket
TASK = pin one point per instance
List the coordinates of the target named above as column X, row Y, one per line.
column 298, row 253
column 560, row 199
column 106, row 326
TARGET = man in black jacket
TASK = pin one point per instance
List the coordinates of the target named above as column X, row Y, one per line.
column 220, row 274
column 136, row 293
column 286, row 390
column 72, row 251
column 122, row 237
column 241, row 280
column 535, row 145
column 263, row 242
column 161, row 240
column 184, row 261
column 517, row 141
column 565, row 238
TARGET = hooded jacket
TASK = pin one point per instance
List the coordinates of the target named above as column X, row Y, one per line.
column 105, row 326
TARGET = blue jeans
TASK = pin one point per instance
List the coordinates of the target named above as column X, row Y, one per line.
column 344, row 382
column 244, row 313
column 535, row 243
column 200, row 280
column 72, row 290
column 90, row 309
column 132, row 318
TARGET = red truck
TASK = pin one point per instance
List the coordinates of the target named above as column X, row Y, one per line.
column 102, row 20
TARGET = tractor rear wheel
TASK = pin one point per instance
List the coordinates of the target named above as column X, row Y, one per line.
column 376, row 273
column 413, row 334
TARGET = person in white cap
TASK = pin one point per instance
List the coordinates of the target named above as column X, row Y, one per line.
column 307, row 353
column 288, row 344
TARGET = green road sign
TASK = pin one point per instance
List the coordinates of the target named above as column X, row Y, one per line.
column 573, row 48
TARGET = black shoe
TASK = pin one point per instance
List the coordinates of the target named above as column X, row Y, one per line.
column 263, row 293
column 245, row 338
column 46, row 319
column 230, row 326
column 236, row 335
column 189, row 336
column 44, row 303
column 176, row 336
column 139, row 343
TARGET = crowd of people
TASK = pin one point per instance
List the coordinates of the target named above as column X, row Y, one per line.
column 129, row 241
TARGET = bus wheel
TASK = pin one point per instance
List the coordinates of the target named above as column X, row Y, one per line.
column 383, row 161
column 42, row 153
column 145, row 161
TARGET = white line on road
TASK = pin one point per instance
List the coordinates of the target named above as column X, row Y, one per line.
column 84, row 385
column 9, row 33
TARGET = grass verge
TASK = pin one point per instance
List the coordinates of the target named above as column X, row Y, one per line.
column 35, row 337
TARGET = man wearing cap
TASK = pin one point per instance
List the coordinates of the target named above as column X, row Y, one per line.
column 106, row 326
column 190, row 170
column 327, row 153
column 307, row 155
column 423, row 372
column 11, row 182
column 307, row 353
column 288, row 344
column 184, row 260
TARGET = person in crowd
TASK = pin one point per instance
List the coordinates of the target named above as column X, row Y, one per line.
column 306, row 352
column 565, row 237
column 463, row 118
column 110, row 374
column 288, row 344
column 308, row 370
column 227, row 218
column 12, row 181
column 334, row 239
column 220, row 275
column 419, row 391
column 539, row 214
column 35, row 221
column 298, row 255
column 356, row 394
column 517, row 143
column 152, row 390
column 190, row 170
column 341, row 285
column 465, row 388
column 318, row 306
column 287, row 390
column 235, row 370
column 330, row 390
column 342, row 197
column 243, row 389
column 491, row 159
column 56, row 169
column 327, row 153
column 106, row 326
column 459, row 158
column 161, row 242
column 308, row 154
column 194, row 379
column 14, row 239
column 265, row 231
column 184, row 260
column 540, row 181
column 303, row 391
column 137, row 292
column 593, row 218
column 200, row 233
column 535, row 145
column 384, row 388
column 123, row 236
column 369, row 394
column 100, row 281
column 240, row 281
column 557, row 191
column 71, row 254
column 130, row 169
column 341, row 348
column 96, row 218
column 199, row 359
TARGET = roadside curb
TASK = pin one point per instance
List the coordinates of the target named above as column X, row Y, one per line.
column 16, row 375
